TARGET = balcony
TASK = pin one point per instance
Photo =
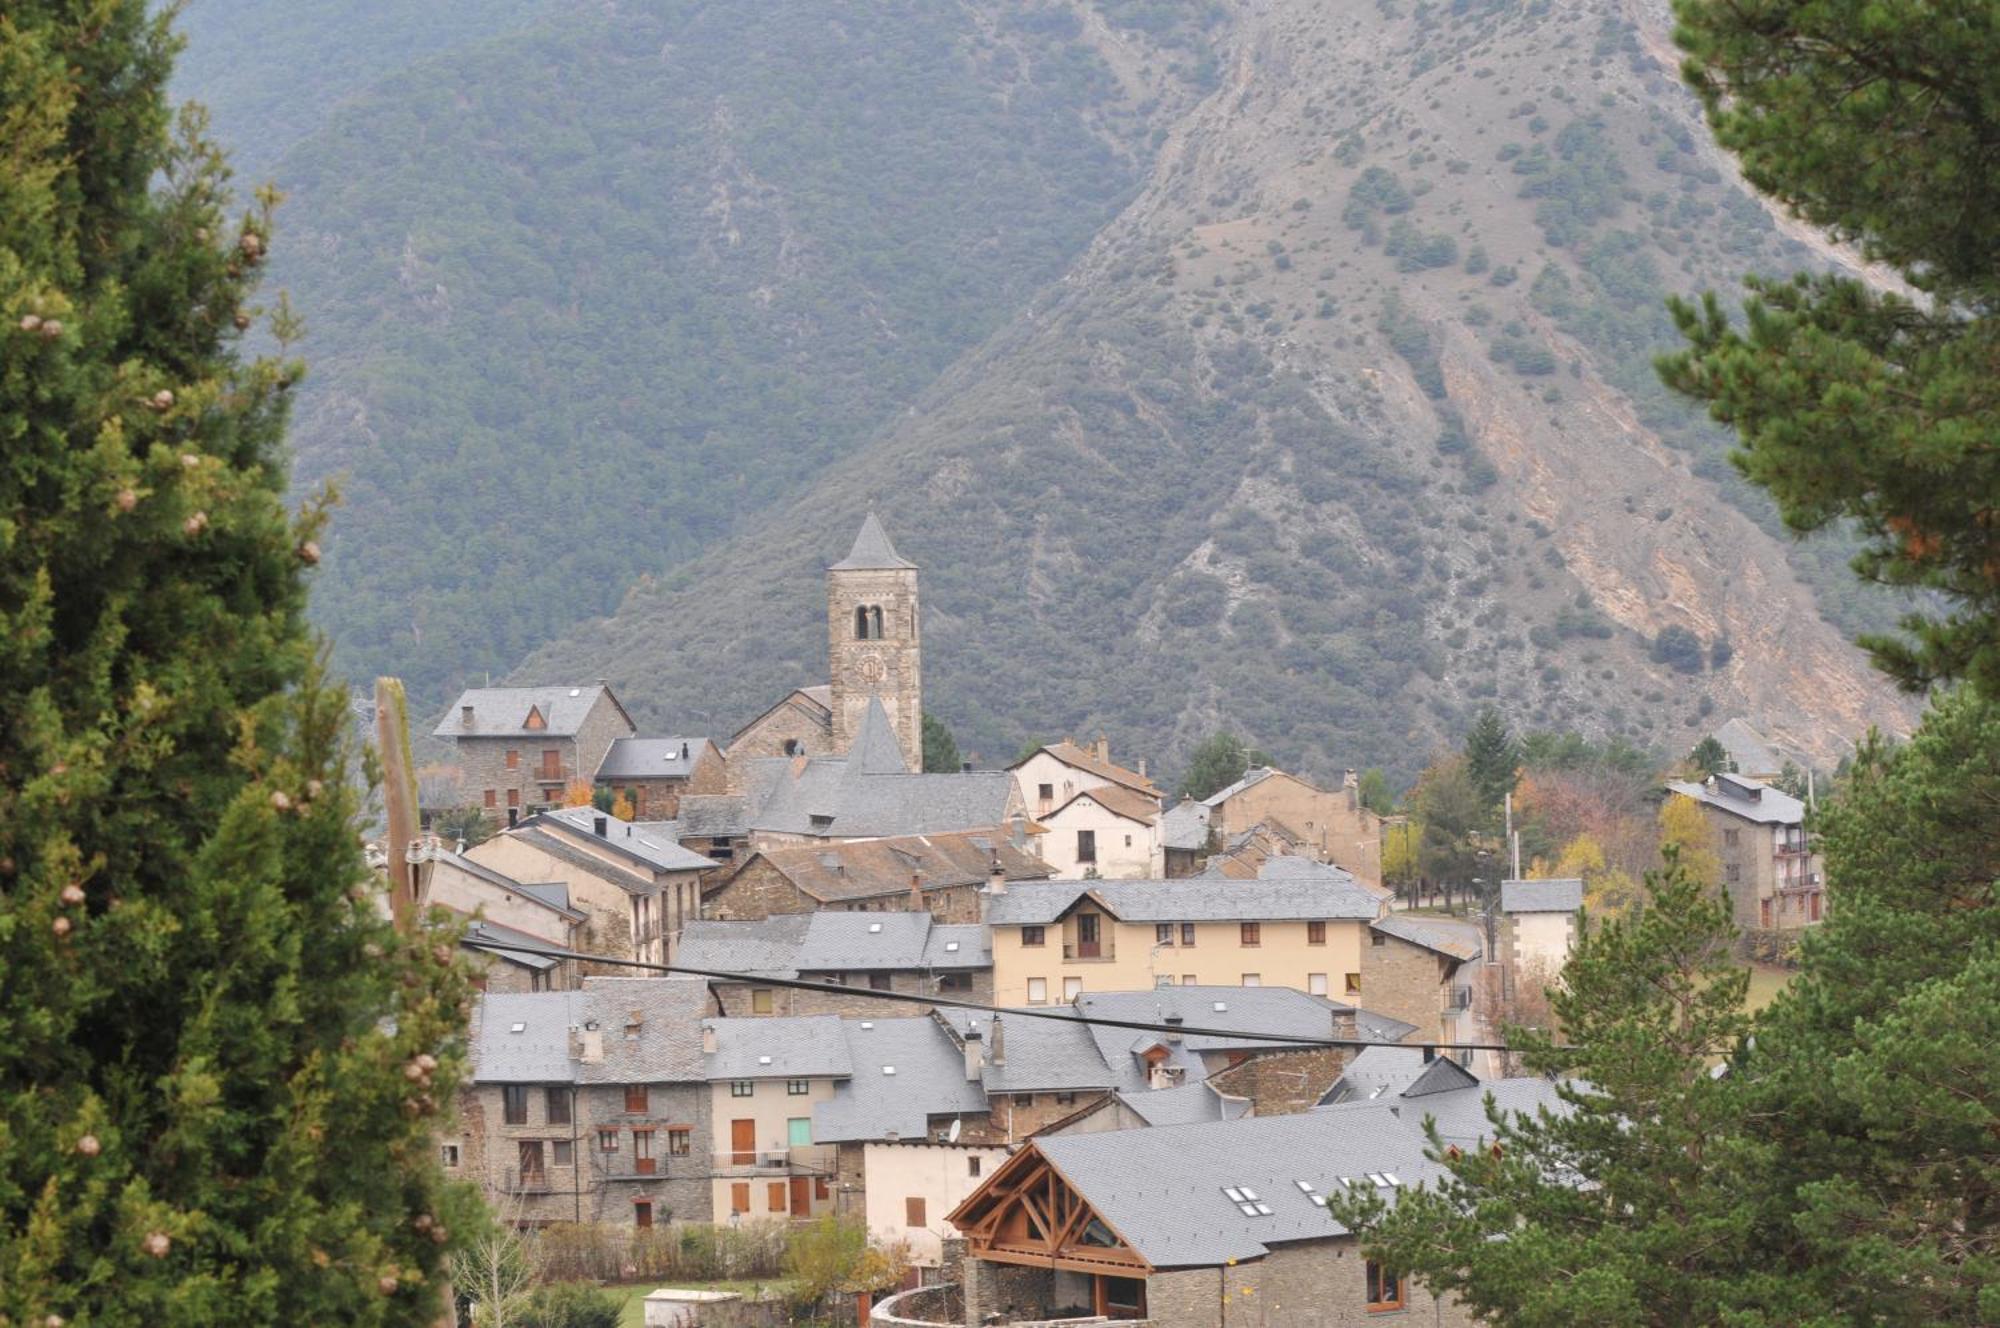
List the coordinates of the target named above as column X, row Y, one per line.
column 1089, row 952
column 1797, row 849
column 534, row 1181
column 811, row 1160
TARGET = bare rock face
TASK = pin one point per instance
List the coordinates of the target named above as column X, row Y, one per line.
column 1343, row 427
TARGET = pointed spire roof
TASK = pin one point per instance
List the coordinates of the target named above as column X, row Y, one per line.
column 875, row 750
column 872, row 551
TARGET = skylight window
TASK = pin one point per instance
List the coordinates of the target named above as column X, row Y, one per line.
column 763, row 1060
column 1221, row 1006
column 888, row 1069
column 518, row 1028
column 874, row 927
column 951, row 947
column 867, row 1024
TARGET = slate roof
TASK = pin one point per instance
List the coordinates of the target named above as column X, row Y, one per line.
column 1254, row 775
column 629, row 879
column 785, row 945
column 1185, row 826
column 1187, row 900
column 817, row 707
column 1288, row 867
column 1162, row 1188
column 651, row 758
column 552, row 895
column 872, row 551
column 1085, row 759
column 1560, row 895
column 929, row 1081
column 1186, row 1105
column 667, row 1048
column 1746, row 798
column 1041, row 1055
column 1118, row 800
column 712, row 816
column 1251, row 1009
column 502, row 711
column 479, row 929
column 1748, row 750
column 870, row 867
column 621, row 837
column 1446, row 941
column 805, row 1047
column 831, row 797
column 1460, row 1113
column 1391, row 1072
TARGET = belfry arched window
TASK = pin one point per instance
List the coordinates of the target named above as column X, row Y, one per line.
column 868, row 622
column 861, row 622
column 875, row 621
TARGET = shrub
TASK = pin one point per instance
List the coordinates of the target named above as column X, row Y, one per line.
column 568, row 1305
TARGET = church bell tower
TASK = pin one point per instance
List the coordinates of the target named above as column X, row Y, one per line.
column 872, row 641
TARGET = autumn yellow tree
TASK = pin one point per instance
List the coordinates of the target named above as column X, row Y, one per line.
column 576, row 793
column 1683, row 826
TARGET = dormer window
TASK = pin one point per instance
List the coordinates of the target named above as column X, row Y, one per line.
column 536, row 720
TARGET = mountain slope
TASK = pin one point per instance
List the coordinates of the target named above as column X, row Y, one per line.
column 1343, row 427
column 586, row 295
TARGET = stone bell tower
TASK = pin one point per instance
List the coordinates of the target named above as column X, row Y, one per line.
column 872, row 642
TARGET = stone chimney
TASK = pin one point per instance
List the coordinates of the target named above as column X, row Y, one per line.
column 1142, row 767
column 1103, row 749
column 590, row 1045
column 707, row 1039
column 917, row 904
column 1173, row 1023
column 997, row 1053
column 601, row 825
column 975, row 1055
column 465, row 716
column 996, row 874
column 1343, row 1023
column 1350, row 784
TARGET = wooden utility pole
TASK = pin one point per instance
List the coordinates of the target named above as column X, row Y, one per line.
column 399, row 797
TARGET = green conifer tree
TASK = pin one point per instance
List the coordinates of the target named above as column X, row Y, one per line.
column 1492, row 758
column 940, row 748
column 219, row 1067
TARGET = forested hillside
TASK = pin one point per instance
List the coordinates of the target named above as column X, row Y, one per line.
column 1284, row 367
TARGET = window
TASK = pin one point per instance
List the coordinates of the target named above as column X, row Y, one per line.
column 739, row 1197
column 1764, row 912
column 1732, row 872
column 1385, row 1289
column 642, row 1149
column 799, row 1132
column 1047, row 792
column 971, row 1165
column 1253, row 980
column 1065, row 1099
column 821, row 1190
column 1253, row 933
column 1033, row 936
column 513, row 758
column 913, row 1211
column 513, row 797
column 955, row 982
column 1353, row 984
column 742, row 1088
column 1024, row 1099
column 635, row 1097
column 1072, row 988
column 679, row 1140
column 562, row 1153
column 1315, row 933
column 531, row 1158
column 1729, row 838
column 556, row 1103
column 760, row 1000
column 448, row 1155
column 1377, row 938
column 1086, row 846
column 774, row 1196
column 514, row 1104
column 1187, row 933
column 1128, row 841
column 1315, row 984
column 1189, row 980
column 878, row 982
column 551, row 763
column 642, row 1214
column 798, row 1087
column 607, row 1141
column 492, row 798
column 1038, row 991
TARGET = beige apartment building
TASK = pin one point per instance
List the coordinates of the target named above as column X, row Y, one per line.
column 1054, row 940
column 765, row 1078
column 1774, row 879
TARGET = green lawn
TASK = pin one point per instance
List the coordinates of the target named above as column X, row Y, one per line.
column 1766, row 981
column 632, row 1296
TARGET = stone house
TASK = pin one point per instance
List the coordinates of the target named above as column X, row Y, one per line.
column 1108, row 832
column 1050, row 776
column 1774, row 878
column 1180, row 1224
column 1054, row 940
column 848, row 954
column 1185, row 839
column 653, row 774
column 639, row 889
column 588, row 1105
column 518, row 748
column 1332, row 826
column 500, row 909
column 1537, row 928
column 940, row 873
column 1413, row 970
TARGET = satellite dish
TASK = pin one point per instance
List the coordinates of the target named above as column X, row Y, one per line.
column 951, row 1135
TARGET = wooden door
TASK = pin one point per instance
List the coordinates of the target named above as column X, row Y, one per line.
column 801, row 1196
column 743, row 1142
column 1086, row 936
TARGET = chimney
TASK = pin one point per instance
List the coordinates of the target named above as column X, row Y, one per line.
column 917, row 904
column 684, row 751
column 965, row 767
column 1350, row 784
column 465, row 716
column 592, row 1052
column 996, row 873
column 1103, row 749
column 1430, row 1054
column 513, row 817
column 601, row 826
column 1173, row 1023
column 707, row 1039
column 1343, row 1023
column 998, row 1055
column 635, row 1024
column 1142, row 767
column 975, row 1056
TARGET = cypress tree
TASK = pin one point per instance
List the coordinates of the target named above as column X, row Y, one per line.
column 218, row 1064
column 1492, row 758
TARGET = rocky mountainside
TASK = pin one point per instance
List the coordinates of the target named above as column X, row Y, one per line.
column 1344, row 426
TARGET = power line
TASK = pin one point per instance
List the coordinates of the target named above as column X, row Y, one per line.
column 1027, row 1012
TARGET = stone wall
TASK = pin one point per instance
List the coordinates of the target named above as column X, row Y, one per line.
column 1283, row 1083
column 796, row 726
column 756, row 891
column 1317, row 1284
column 925, row 1307
column 660, row 799
column 1403, row 981
column 889, row 667
column 849, row 1000
column 1011, row 1291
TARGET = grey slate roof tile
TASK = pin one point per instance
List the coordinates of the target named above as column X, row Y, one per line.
column 872, row 551
column 622, row 837
column 1558, row 895
column 929, row 1081
column 1186, row 1105
column 1746, row 798
column 805, row 1047
column 1188, row 900
column 651, row 758
column 1444, row 940
column 501, row 711
column 525, row 1038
